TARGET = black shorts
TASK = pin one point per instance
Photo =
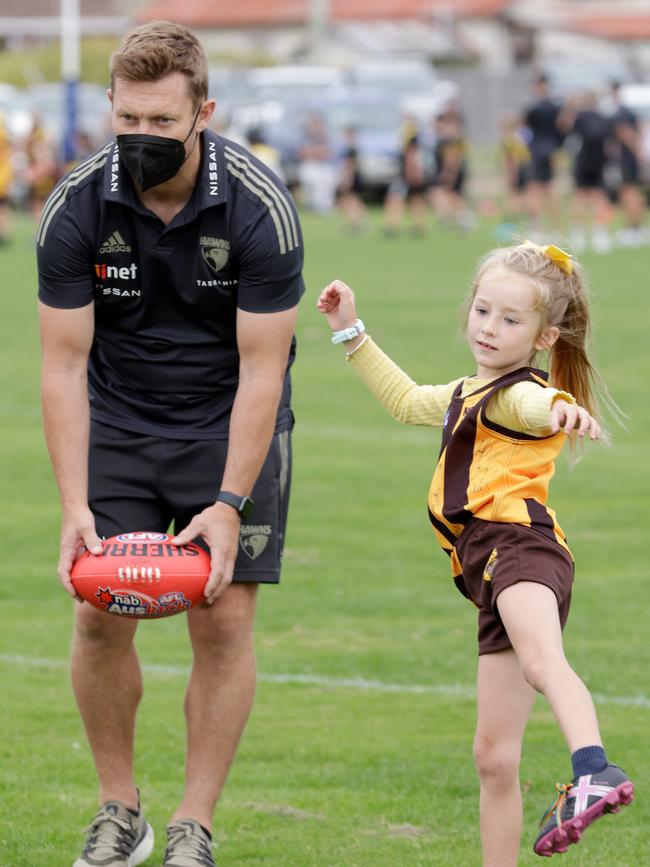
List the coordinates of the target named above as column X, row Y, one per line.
column 541, row 170
column 522, row 178
column 630, row 167
column 399, row 187
column 141, row 482
column 588, row 176
column 355, row 186
column 494, row 556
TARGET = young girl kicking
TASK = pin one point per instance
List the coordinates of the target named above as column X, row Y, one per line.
column 502, row 430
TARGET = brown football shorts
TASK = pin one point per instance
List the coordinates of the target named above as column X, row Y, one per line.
column 494, row 556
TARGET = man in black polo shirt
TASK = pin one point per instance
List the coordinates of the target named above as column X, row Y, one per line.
column 624, row 153
column 541, row 118
column 169, row 276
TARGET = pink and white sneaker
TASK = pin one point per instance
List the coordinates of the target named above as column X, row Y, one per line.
column 580, row 803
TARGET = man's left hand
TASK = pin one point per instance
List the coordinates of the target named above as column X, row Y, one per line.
column 219, row 527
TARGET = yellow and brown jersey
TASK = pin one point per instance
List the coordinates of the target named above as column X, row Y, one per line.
column 6, row 167
column 492, row 472
column 515, row 150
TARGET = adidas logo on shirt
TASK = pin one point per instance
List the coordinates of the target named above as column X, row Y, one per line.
column 115, row 244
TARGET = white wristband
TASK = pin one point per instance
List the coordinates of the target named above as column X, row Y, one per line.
column 349, row 333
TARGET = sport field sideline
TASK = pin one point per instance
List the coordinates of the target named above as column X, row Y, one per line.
column 358, row 751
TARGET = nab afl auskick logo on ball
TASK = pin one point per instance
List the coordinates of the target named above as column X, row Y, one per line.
column 143, row 575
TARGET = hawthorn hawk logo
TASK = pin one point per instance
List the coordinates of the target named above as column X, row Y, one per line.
column 254, row 538
column 215, row 252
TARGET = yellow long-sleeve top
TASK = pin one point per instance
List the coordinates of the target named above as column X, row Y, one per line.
column 523, row 406
column 499, row 466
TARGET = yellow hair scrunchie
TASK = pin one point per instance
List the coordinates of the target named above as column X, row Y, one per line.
column 556, row 255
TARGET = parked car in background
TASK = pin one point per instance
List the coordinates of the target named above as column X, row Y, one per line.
column 377, row 123
column 373, row 98
column 228, row 86
column 283, row 125
column 293, row 82
column 568, row 75
column 394, row 77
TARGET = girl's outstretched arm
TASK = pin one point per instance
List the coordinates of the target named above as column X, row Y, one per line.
column 404, row 399
column 337, row 303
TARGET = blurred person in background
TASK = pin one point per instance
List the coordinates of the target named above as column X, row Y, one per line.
column 589, row 132
column 450, row 171
column 350, row 185
column 515, row 164
column 6, row 180
column 546, row 138
column 43, row 167
column 409, row 189
column 265, row 152
column 624, row 153
column 317, row 169
column 84, row 147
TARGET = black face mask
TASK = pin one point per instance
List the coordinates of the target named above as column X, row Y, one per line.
column 152, row 159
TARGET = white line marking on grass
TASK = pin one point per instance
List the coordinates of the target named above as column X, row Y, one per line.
column 360, row 684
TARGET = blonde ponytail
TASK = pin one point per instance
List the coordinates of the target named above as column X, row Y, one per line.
column 563, row 303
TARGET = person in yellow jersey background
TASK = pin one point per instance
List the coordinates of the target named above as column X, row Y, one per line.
column 6, row 179
column 515, row 165
column 43, row 168
column 502, row 429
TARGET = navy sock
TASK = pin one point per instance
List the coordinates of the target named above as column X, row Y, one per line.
column 588, row 760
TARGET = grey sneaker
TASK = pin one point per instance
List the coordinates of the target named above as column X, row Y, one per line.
column 187, row 845
column 116, row 838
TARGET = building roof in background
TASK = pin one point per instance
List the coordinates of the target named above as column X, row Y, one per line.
column 614, row 26
column 386, row 9
column 250, row 13
column 52, row 8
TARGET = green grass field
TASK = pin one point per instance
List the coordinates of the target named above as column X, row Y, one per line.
column 358, row 751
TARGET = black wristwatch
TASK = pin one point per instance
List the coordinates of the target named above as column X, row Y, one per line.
column 243, row 505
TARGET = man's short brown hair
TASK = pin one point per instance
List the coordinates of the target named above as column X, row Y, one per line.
column 158, row 49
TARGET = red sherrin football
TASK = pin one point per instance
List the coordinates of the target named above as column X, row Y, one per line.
column 142, row 575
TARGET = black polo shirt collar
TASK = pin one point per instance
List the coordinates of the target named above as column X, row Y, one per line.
column 211, row 188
